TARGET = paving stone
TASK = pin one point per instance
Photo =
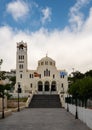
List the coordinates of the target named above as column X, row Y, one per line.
column 42, row 119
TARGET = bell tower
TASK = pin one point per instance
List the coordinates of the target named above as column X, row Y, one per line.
column 21, row 64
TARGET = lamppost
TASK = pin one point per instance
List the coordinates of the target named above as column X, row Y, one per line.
column 1, row 61
column 3, row 104
column 76, row 113
column 2, row 94
column 67, row 103
column 19, row 91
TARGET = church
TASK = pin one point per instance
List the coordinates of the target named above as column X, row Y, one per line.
column 45, row 79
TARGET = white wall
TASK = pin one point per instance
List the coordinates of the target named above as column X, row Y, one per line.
column 85, row 115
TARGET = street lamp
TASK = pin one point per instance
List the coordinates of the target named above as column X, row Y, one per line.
column 19, row 91
column 76, row 113
column 1, row 61
column 67, row 103
column 2, row 95
column 3, row 104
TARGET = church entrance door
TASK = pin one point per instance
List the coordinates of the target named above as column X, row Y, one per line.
column 40, row 87
column 46, row 87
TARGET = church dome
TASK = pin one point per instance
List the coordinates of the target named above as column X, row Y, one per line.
column 46, row 61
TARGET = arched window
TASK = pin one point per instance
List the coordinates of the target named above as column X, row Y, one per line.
column 46, row 85
column 40, row 86
column 42, row 63
column 31, row 85
column 19, row 57
column 53, row 86
column 20, row 75
column 21, row 47
column 47, row 72
column 46, row 62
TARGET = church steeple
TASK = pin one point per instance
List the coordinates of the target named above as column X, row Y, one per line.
column 47, row 54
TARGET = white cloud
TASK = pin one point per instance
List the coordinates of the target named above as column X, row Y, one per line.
column 18, row 9
column 46, row 15
column 68, row 48
column 76, row 17
column 88, row 23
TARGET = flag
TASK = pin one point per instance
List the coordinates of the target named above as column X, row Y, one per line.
column 36, row 74
column 63, row 73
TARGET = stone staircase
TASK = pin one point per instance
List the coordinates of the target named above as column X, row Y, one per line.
column 45, row 101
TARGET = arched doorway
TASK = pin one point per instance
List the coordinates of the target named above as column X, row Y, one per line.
column 40, row 86
column 46, row 86
column 53, row 86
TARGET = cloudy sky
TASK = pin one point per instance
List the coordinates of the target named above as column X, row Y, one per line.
column 60, row 28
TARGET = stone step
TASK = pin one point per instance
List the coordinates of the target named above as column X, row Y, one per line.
column 45, row 101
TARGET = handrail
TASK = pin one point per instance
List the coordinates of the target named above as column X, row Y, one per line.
column 29, row 99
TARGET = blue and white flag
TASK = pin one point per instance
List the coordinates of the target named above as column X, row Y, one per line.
column 63, row 73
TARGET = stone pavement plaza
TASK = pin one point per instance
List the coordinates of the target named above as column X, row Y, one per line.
column 42, row 119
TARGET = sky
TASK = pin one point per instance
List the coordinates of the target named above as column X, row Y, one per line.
column 60, row 28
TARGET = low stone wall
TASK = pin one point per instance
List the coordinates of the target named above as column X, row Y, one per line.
column 5, row 102
column 6, row 113
column 14, row 104
column 85, row 115
column 16, row 109
column 21, row 95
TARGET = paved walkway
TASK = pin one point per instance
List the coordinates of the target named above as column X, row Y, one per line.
column 42, row 119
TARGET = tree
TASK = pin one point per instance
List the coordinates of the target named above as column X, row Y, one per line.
column 4, row 87
column 13, row 81
column 89, row 73
column 82, row 88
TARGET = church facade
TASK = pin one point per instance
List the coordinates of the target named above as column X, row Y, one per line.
column 46, row 79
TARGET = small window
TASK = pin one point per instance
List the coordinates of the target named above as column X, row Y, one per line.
column 41, row 63
column 62, row 76
column 31, row 85
column 46, row 62
column 19, row 57
column 30, row 76
column 62, row 85
column 53, row 76
column 40, row 76
column 23, row 57
column 44, row 73
column 50, row 63
column 20, row 75
column 21, row 66
column 49, row 72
